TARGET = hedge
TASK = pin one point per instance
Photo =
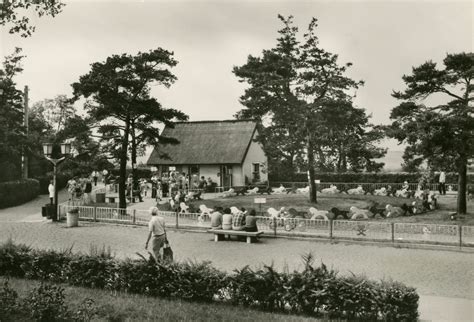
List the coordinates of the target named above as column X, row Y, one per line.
column 61, row 181
column 13, row 193
column 361, row 177
column 314, row 291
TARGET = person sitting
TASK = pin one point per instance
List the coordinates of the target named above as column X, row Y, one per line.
column 251, row 221
column 238, row 221
column 216, row 219
column 227, row 219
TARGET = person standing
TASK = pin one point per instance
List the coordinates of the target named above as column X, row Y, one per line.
column 95, row 175
column 442, row 183
column 51, row 191
column 157, row 230
column 87, row 190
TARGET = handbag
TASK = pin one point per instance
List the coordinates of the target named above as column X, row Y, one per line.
column 167, row 252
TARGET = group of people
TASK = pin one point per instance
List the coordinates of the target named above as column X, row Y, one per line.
column 172, row 183
column 79, row 187
column 240, row 219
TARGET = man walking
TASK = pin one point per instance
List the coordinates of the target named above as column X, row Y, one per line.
column 156, row 228
column 442, row 183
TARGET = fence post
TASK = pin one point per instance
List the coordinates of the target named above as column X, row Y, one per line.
column 460, row 235
column 177, row 224
column 331, row 225
column 392, row 229
column 274, row 226
column 95, row 213
column 134, row 216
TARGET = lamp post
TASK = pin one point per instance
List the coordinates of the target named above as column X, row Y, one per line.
column 48, row 151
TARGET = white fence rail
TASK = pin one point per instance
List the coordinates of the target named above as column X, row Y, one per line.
column 462, row 236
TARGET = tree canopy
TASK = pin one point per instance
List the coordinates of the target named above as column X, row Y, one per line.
column 119, row 100
column 15, row 13
column 441, row 133
column 12, row 131
column 294, row 90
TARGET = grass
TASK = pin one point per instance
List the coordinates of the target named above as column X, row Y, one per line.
column 130, row 307
column 300, row 202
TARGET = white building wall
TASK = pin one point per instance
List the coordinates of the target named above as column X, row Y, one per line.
column 237, row 176
column 255, row 154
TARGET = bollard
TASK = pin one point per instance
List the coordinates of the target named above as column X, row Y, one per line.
column 95, row 213
column 274, row 227
column 134, row 216
column 460, row 235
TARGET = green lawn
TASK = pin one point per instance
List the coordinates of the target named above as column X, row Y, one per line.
column 342, row 201
column 131, row 307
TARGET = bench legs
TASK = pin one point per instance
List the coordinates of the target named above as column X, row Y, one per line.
column 218, row 237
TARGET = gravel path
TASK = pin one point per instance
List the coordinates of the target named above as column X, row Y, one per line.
column 432, row 272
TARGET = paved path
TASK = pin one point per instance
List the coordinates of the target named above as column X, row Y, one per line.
column 443, row 279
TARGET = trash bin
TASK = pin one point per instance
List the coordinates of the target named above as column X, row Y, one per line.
column 48, row 211
column 72, row 219
column 100, row 197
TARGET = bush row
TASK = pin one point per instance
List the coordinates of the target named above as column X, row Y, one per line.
column 61, row 181
column 361, row 177
column 314, row 291
column 14, row 193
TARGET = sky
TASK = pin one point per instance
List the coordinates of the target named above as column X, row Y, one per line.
column 383, row 40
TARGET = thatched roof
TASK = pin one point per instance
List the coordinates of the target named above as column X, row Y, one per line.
column 205, row 142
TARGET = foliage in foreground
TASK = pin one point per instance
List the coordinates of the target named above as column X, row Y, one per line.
column 315, row 291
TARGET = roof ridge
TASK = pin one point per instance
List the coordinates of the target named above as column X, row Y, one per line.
column 215, row 121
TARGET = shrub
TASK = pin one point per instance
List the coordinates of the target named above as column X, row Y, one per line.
column 400, row 302
column 47, row 265
column 46, row 303
column 88, row 271
column 8, row 301
column 315, row 291
column 360, row 177
column 14, row 193
column 12, row 258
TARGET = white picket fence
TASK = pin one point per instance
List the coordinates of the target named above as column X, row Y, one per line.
column 453, row 235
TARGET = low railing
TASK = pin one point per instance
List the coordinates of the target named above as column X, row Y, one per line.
column 365, row 185
column 375, row 231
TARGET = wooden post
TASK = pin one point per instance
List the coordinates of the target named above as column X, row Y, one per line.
column 134, row 216
column 392, row 229
column 460, row 235
column 331, row 225
column 177, row 224
column 95, row 213
column 274, row 226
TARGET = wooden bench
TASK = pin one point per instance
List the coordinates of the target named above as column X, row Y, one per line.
column 220, row 234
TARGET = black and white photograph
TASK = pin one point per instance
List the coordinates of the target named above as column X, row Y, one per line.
column 237, row 160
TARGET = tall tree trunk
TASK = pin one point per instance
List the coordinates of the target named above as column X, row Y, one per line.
column 311, row 172
column 123, row 165
column 134, row 157
column 462, row 185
